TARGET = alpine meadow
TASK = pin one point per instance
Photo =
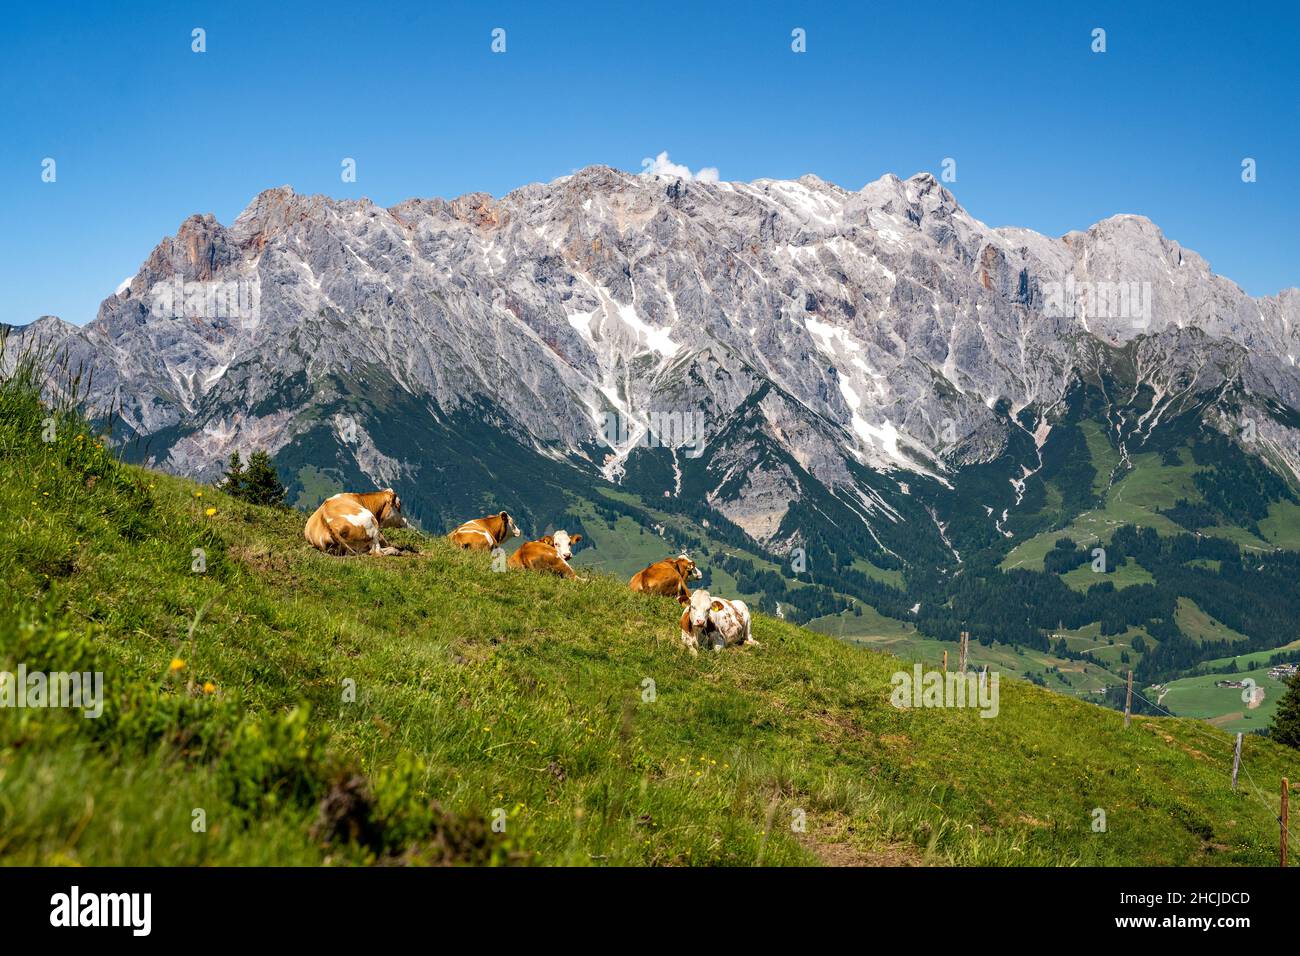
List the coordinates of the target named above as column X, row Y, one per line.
column 501, row 466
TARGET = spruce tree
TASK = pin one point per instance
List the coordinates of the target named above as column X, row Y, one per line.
column 261, row 483
column 1286, row 722
column 235, row 478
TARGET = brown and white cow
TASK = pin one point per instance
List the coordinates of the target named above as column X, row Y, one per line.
column 731, row 619
column 484, row 534
column 715, row 622
column 667, row 577
column 551, row 553
column 352, row 523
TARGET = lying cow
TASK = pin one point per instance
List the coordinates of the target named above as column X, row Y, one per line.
column 352, row 523
column 484, row 534
column 731, row 620
column 716, row 622
column 668, row 578
column 551, row 553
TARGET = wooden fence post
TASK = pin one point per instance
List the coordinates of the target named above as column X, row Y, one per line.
column 1286, row 803
column 1236, row 761
column 945, row 662
column 1128, row 701
column 965, row 651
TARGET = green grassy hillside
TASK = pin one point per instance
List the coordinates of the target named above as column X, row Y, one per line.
column 1225, row 707
column 285, row 707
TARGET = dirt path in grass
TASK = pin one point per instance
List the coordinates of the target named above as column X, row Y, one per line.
column 834, row 844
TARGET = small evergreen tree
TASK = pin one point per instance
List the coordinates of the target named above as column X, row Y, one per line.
column 261, row 482
column 235, row 479
column 1286, row 721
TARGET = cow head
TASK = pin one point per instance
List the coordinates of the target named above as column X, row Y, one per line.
column 508, row 527
column 701, row 603
column 390, row 513
column 687, row 569
column 563, row 543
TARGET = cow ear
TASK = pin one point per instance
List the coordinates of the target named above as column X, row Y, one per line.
column 716, row 606
column 575, row 539
column 547, row 540
column 504, row 516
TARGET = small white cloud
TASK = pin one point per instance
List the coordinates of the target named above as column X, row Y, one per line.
column 123, row 285
column 661, row 165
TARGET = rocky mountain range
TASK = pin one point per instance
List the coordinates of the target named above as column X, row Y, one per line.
column 791, row 358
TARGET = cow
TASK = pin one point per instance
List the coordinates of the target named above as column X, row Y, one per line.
column 551, row 553
column 484, row 534
column 667, row 577
column 715, row 621
column 352, row 523
column 731, row 620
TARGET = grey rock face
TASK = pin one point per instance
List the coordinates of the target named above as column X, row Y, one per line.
column 898, row 333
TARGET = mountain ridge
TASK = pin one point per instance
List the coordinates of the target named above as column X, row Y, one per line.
column 884, row 329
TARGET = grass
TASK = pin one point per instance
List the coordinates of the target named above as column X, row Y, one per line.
column 1281, row 529
column 1282, row 526
column 1088, row 638
column 870, row 625
column 424, row 709
column 1252, row 660
column 621, row 549
column 1199, row 626
column 890, row 576
column 1125, row 576
column 1223, row 707
column 316, row 486
column 1105, row 458
column 1063, row 675
column 1136, row 498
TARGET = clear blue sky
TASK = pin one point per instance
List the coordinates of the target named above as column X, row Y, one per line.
column 1046, row 133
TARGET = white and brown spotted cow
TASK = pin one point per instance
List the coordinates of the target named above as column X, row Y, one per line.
column 551, row 553
column 484, row 534
column 715, row 622
column 352, row 523
column 731, row 619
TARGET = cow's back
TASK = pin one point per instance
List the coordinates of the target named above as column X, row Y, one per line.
column 317, row 529
column 742, row 612
column 662, row 577
column 516, row 559
column 473, row 536
column 530, row 554
column 735, row 621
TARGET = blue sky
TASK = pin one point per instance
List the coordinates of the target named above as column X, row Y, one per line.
column 1046, row 133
